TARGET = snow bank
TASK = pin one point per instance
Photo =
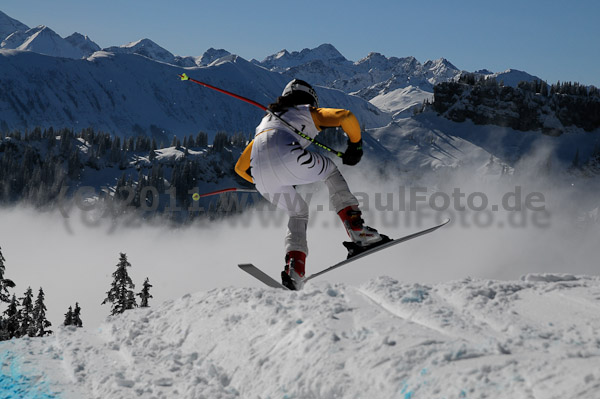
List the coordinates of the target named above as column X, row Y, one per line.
column 538, row 337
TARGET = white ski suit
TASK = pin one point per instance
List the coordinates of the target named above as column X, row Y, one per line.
column 279, row 160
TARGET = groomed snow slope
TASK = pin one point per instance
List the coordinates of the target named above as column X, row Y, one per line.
column 534, row 338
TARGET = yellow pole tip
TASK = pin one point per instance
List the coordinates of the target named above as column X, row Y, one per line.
column 184, row 77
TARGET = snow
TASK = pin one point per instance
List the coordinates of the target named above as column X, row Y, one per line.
column 283, row 59
column 42, row 40
column 429, row 141
column 510, row 77
column 422, row 329
column 212, row 55
column 117, row 92
column 146, row 48
column 9, row 25
column 534, row 337
column 83, row 43
column 399, row 101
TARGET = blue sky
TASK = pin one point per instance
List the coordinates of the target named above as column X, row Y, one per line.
column 555, row 40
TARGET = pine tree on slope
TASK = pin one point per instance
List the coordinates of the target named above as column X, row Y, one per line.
column 69, row 317
column 26, row 315
column 121, row 294
column 145, row 294
column 5, row 284
column 40, row 323
column 77, row 316
column 10, row 325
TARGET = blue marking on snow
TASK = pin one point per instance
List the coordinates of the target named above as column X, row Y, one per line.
column 406, row 392
column 415, row 296
column 16, row 384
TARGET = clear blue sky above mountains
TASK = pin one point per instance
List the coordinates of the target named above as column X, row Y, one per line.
column 555, row 40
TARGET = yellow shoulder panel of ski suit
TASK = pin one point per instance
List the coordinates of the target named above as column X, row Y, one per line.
column 243, row 164
column 323, row 118
column 334, row 117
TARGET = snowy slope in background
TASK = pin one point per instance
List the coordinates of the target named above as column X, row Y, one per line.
column 400, row 102
column 151, row 50
column 392, row 84
column 373, row 75
column 537, row 337
column 43, row 40
column 94, row 95
column 145, row 47
column 511, row 77
column 119, row 92
column 430, row 142
column 9, row 25
column 211, row 55
column 83, row 43
column 284, row 60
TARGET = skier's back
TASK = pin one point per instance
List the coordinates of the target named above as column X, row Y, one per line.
column 277, row 160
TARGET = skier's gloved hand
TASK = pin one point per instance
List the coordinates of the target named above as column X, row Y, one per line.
column 353, row 153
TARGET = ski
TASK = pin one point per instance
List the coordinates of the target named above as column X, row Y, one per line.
column 271, row 282
column 378, row 248
column 261, row 276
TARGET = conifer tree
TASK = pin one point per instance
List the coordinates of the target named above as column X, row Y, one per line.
column 4, row 283
column 121, row 294
column 10, row 325
column 40, row 322
column 77, row 316
column 69, row 317
column 145, row 294
column 26, row 314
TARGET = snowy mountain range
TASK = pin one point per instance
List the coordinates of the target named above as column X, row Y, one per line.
column 134, row 89
column 9, row 25
column 422, row 330
column 75, row 84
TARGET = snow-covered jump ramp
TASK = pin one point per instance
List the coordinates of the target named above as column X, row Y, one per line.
column 538, row 337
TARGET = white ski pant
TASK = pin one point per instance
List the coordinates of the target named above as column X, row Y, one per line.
column 279, row 164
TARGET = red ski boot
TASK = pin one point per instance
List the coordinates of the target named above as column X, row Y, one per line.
column 293, row 274
column 363, row 237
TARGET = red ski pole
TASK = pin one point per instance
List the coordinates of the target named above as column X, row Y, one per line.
column 224, row 190
column 185, row 77
column 340, row 154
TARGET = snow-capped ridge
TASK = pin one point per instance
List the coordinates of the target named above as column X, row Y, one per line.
column 284, row 59
column 212, row 55
column 441, row 64
column 9, row 25
column 281, row 54
column 83, row 43
column 146, row 48
column 509, row 77
column 227, row 58
column 42, row 40
column 149, row 49
column 14, row 40
column 371, row 76
column 440, row 70
column 129, row 92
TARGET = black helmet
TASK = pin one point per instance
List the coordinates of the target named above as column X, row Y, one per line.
column 303, row 91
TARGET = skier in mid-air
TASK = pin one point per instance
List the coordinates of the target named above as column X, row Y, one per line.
column 276, row 161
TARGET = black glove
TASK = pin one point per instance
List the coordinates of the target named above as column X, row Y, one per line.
column 353, row 153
